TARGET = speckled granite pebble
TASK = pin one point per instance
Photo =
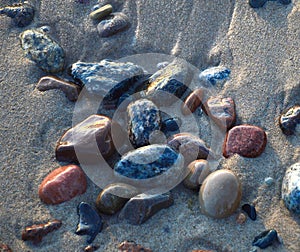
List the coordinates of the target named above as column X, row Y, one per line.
column 215, row 74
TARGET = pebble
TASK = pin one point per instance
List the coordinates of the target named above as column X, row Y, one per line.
column 4, row 248
column 101, row 12
column 49, row 82
column 141, row 207
column 171, row 124
column 269, row 181
column 100, row 78
column 35, row 233
column 91, row 248
column 245, row 140
column 265, row 239
column 220, row 194
column 62, row 184
column 96, row 128
column 118, row 22
column 221, row 111
column 289, row 121
column 131, row 246
column 162, row 65
column 261, row 3
column 90, row 222
column 143, row 119
column 215, row 74
column 192, row 102
column 22, row 14
column 241, row 218
column 109, row 201
column 148, row 162
column 250, row 210
column 43, row 50
column 290, row 191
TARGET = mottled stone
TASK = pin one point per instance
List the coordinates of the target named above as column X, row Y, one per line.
column 141, row 207
column 62, row 184
column 35, row 233
column 131, row 246
column 250, row 210
column 220, row 194
column 43, row 50
column 245, row 140
column 148, row 162
column 101, row 12
column 91, row 136
column 90, row 222
column 241, row 218
column 71, row 90
column 265, row 239
column 143, row 119
column 290, row 191
column 215, row 74
column 100, row 78
column 115, row 23
column 221, row 111
column 4, row 248
column 192, row 102
column 289, row 121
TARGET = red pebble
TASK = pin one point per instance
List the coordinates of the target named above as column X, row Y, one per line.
column 245, row 140
column 62, row 184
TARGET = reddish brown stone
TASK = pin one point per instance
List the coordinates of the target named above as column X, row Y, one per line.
column 241, row 218
column 131, row 246
column 62, row 184
column 192, row 102
column 245, row 140
column 4, row 248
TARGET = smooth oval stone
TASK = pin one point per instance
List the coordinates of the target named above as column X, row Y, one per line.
column 101, row 12
column 143, row 119
column 192, row 102
column 89, row 137
column 250, row 210
column 108, row 201
column 265, row 239
column 257, row 3
column 245, row 140
column 215, row 74
column 43, row 50
column 117, row 23
column 171, row 124
column 290, row 191
column 62, row 184
column 289, row 121
column 220, row 194
column 90, row 222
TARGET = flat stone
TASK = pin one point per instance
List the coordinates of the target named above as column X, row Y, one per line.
column 115, row 23
column 192, row 102
column 214, row 75
column 131, row 246
column 289, row 121
column 220, row 194
column 101, row 12
column 245, row 140
column 62, row 184
column 141, row 207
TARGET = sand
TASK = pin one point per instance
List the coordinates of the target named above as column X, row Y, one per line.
column 260, row 46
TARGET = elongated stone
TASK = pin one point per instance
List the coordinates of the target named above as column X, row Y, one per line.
column 250, row 210
column 289, row 121
column 265, row 239
column 101, row 12
column 192, row 102
column 215, row 74
column 116, row 23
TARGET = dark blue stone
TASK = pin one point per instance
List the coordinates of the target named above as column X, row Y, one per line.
column 171, row 124
column 215, row 74
column 257, row 3
column 265, row 239
column 250, row 210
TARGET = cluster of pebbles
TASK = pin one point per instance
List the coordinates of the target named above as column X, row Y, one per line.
column 182, row 153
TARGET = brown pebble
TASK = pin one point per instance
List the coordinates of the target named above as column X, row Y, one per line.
column 245, row 140
column 5, row 248
column 131, row 246
column 192, row 102
column 91, row 248
column 35, row 233
column 62, row 184
column 241, row 218
column 71, row 90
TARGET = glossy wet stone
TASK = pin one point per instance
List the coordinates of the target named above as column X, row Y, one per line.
column 101, row 12
column 141, row 207
column 71, row 90
column 91, row 137
column 131, row 246
column 4, row 248
column 143, row 119
column 221, row 111
column 250, row 210
column 148, row 162
column 100, row 78
column 192, row 102
column 91, row 248
column 35, row 233
column 116, row 22
column 22, row 14
column 171, row 125
column 215, row 74
column 289, row 121
column 265, row 239
column 169, row 83
column 245, row 140
column 220, row 194
column 290, row 191
column 43, row 50
column 62, row 184
column 90, row 222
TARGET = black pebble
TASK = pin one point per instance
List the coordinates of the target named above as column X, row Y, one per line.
column 257, row 3
column 250, row 210
column 265, row 239
column 171, row 124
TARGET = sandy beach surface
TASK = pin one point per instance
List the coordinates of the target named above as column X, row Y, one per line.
column 261, row 48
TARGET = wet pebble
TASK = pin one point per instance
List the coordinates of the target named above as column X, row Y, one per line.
column 35, row 233
column 91, row 248
column 220, row 194
column 289, row 121
column 290, row 191
column 215, row 74
column 116, row 23
column 101, row 12
column 245, row 140
column 71, row 90
column 141, row 207
column 250, row 210
column 192, row 102
column 90, row 222
column 62, row 184
column 43, row 50
column 265, row 239
column 4, row 248
column 131, row 246
column 171, row 124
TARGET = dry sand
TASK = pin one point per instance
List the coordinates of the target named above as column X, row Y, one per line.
column 261, row 47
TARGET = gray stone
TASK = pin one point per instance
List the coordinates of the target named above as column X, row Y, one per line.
column 116, row 23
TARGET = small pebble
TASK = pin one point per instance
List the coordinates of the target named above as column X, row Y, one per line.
column 131, row 246
column 241, row 218
column 269, row 181
column 162, row 65
column 192, row 102
column 101, row 12
column 45, row 28
column 4, row 248
column 91, row 248
column 35, row 233
column 90, row 222
column 250, row 210
column 62, row 184
column 289, row 121
column 265, row 239
column 257, row 3
column 117, row 23
column 171, row 124
column 215, row 74
column 245, row 140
